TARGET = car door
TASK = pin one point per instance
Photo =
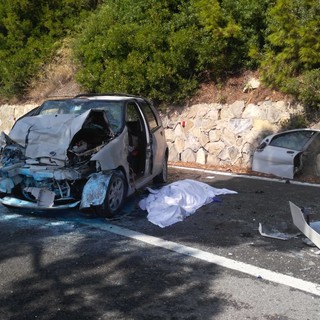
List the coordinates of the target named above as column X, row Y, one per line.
column 139, row 139
column 280, row 154
column 157, row 136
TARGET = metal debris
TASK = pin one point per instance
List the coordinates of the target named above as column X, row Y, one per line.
column 311, row 230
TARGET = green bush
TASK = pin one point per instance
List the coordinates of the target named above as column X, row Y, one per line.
column 294, row 122
column 307, row 88
column 250, row 15
column 30, row 31
column 292, row 56
column 161, row 49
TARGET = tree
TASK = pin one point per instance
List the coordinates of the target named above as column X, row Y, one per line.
column 250, row 15
column 29, row 34
column 292, row 55
column 161, row 49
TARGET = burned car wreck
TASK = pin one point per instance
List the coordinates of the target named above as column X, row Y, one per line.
column 92, row 151
column 289, row 154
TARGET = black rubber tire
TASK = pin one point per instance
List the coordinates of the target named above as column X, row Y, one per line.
column 115, row 196
column 162, row 177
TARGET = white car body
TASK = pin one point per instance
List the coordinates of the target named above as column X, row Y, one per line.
column 80, row 151
column 289, row 153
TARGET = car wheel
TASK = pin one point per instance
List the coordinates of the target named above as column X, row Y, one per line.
column 163, row 175
column 115, row 195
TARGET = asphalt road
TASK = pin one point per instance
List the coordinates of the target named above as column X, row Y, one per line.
column 213, row 265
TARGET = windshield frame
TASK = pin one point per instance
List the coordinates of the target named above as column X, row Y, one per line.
column 114, row 109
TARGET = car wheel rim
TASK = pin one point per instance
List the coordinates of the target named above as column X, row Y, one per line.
column 116, row 193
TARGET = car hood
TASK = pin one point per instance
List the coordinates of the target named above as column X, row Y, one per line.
column 47, row 135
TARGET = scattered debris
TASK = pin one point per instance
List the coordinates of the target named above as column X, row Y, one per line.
column 308, row 242
column 301, row 220
column 216, row 199
column 246, row 235
column 276, row 233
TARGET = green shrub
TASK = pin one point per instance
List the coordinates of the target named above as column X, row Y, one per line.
column 292, row 56
column 161, row 49
column 295, row 122
column 307, row 88
column 30, row 31
column 250, row 15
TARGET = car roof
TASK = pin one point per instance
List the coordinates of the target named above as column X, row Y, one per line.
column 272, row 135
column 108, row 96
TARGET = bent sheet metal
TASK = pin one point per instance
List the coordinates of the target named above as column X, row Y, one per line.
column 311, row 231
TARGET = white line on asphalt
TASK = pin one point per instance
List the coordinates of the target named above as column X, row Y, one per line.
column 257, row 272
column 265, row 274
column 246, row 176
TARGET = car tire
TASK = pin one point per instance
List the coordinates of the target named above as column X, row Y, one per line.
column 115, row 195
column 162, row 177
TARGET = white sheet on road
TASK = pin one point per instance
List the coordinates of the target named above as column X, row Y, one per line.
column 174, row 202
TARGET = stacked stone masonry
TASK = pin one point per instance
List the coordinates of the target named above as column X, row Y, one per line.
column 223, row 135
column 207, row 134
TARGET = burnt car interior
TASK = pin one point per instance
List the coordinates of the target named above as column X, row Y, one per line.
column 92, row 137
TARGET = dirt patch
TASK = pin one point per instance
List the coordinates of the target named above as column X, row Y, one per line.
column 233, row 89
column 57, row 80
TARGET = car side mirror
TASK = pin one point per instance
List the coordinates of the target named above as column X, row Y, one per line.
column 261, row 146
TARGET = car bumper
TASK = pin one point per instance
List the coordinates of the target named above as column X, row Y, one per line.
column 18, row 203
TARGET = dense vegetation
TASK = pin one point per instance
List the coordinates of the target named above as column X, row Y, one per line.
column 30, row 33
column 164, row 49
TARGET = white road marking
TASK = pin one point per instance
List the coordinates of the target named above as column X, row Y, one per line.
column 265, row 274
column 246, row 176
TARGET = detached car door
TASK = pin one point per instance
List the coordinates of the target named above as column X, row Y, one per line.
column 280, row 154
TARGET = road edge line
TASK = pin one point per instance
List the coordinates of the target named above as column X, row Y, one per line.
column 257, row 272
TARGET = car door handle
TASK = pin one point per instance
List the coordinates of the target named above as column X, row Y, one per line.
column 290, row 152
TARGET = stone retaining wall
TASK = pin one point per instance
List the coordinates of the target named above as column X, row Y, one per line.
column 208, row 134
column 10, row 113
column 223, row 135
